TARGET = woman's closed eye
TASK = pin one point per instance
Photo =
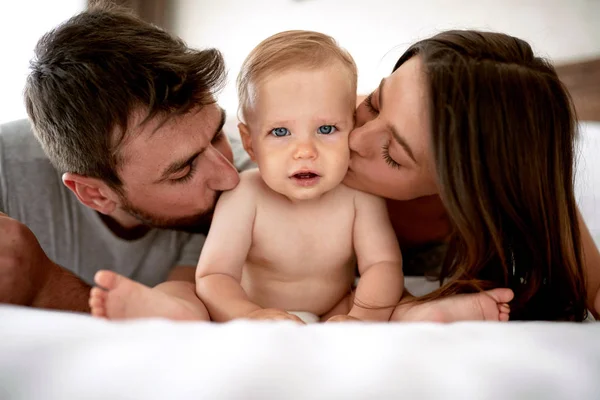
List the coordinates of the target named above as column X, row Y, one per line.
column 369, row 104
column 385, row 153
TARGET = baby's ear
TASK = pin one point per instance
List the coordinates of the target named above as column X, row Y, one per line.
column 246, row 139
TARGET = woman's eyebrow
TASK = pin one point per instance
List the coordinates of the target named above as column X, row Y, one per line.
column 397, row 137
column 401, row 141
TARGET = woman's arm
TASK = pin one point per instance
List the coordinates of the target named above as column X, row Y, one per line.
column 591, row 259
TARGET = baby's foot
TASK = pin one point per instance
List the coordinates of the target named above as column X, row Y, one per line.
column 117, row 297
column 491, row 305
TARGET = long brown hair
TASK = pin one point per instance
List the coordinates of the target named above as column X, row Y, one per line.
column 503, row 138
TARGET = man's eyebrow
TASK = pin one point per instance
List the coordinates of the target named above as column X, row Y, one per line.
column 397, row 137
column 179, row 165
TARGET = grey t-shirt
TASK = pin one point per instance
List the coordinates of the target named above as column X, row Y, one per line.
column 72, row 234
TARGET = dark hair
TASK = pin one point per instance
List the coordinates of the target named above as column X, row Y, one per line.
column 93, row 72
column 503, row 133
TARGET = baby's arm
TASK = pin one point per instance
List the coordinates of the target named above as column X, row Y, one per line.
column 379, row 261
column 222, row 259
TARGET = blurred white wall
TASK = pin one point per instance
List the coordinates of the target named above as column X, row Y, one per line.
column 376, row 32
column 22, row 23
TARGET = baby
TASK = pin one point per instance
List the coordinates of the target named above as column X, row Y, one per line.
column 289, row 236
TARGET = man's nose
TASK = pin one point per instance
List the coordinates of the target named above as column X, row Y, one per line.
column 305, row 149
column 223, row 175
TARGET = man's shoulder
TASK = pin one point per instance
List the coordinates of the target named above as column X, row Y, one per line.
column 22, row 158
column 26, row 174
column 18, row 143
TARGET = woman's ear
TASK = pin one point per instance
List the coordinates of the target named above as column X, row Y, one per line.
column 91, row 192
column 246, row 139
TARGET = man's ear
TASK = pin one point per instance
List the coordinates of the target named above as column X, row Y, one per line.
column 246, row 140
column 92, row 192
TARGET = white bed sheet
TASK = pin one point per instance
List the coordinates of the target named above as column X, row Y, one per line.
column 49, row 355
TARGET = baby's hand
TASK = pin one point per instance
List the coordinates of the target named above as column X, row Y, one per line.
column 343, row 318
column 273, row 314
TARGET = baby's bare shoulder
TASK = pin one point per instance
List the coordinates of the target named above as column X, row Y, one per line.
column 250, row 175
column 245, row 190
column 250, row 181
column 359, row 196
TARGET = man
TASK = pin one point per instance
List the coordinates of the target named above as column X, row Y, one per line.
column 134, row 150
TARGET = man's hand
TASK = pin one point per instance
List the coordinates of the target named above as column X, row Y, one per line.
column 343, row 318
column 273, row 314
column 28, row 277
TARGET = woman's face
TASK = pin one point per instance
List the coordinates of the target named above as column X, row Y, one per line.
column 390, row 151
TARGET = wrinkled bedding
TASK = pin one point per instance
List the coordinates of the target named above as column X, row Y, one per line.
column 50, row 355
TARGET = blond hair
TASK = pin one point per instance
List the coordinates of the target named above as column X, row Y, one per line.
column 287, row 50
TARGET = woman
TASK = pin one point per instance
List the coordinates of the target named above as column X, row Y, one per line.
column 471, row 138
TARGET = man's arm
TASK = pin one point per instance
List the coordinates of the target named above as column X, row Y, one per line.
column 28, row 277
column 379, row 261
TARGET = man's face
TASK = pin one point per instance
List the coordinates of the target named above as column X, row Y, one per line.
column 173, row 173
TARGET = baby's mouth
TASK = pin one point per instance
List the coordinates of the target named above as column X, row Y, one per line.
column 305, row 178
column 305, row 175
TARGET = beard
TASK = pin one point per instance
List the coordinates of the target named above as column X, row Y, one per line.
column 197, row 223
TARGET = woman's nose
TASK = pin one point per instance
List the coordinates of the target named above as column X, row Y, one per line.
column 359, row 142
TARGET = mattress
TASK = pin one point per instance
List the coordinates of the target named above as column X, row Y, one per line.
column 52, row 355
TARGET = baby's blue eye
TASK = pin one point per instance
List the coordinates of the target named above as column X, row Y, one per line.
column 279, row 132
column 326, row 129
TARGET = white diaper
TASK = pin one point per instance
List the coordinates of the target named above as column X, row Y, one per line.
column 307, row 317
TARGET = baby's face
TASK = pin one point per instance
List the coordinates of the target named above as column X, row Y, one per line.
column 299, row 128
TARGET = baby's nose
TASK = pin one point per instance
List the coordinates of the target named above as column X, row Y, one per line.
column 305, row 149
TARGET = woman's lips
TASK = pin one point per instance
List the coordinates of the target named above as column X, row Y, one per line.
column 305, row 178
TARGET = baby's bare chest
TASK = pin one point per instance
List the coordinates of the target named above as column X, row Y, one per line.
column 315, row 240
